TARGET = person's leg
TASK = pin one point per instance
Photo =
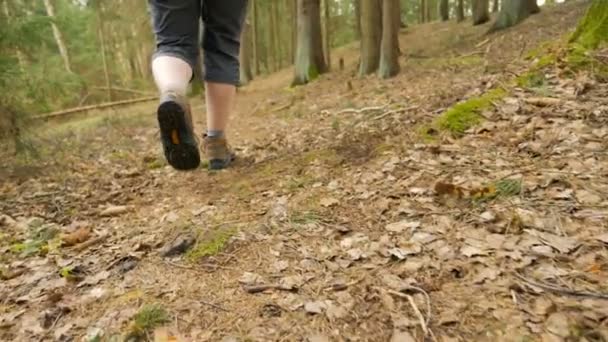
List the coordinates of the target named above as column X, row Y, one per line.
column 223, row 22
column 176, row 26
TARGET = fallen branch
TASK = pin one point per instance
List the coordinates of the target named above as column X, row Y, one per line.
column 91, row 107
column 89, row 243
column 561, row 290
column 361, row 110
column 125, row 90
column 265, row 287
column 424, row 323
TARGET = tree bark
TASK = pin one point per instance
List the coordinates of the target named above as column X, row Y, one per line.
column 104, row 60
column 357, row 18
column 245, row 55
column 63, row 50
column 513, row 12
column 389, row 53
column 255, row 37
column 480, row 12
column 444, row 10
column 327, row 32
column 460, row 11
column 371, row 35
column 310, row 61
column 423, row 17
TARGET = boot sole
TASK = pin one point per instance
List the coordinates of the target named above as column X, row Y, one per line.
column 181, row 150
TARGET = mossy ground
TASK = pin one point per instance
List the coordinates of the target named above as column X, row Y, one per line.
column 148, row 318
column 214, row 243
column 464, row 115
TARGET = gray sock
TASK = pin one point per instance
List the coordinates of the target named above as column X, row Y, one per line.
column 215, row 134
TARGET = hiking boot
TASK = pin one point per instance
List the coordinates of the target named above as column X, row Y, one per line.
column 176, row 132
column 218, row 152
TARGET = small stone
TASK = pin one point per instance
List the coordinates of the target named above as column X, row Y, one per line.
column 178, row 246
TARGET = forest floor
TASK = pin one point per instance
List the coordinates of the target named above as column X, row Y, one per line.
column 350, row 215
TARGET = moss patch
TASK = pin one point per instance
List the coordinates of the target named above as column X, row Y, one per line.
column 592, row 31
column 467, row 114
column 214, row 243
column 148, row 318
column 532, row 79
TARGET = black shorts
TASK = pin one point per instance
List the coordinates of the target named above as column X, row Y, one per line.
column 176, row 26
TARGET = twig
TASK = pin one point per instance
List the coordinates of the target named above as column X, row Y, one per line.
column 561, row 290
column 214, row 306
column 424, row 323
column 361, row 110
column 89, row 243
column 289, row 104
column 265, row 287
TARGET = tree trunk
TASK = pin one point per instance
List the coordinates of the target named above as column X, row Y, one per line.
column 480, row 12
column 389, row 52
column 278, row 55
column 444, row 10
column 591, row 30
column 496, row 6
column 460, row 11
column 423, row 17
column 357, row 19
column 429, row 13
column 327, row 31
column 104, row 60
column 371, row 35
column 63, row 50
column 513, row 12
column 245, row 55
column 294, row 31
column 255, row 37
column 309, row 53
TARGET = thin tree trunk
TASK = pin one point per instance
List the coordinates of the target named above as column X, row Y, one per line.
column 310, row 61
column 245, row 55
column 444, row 10
column 423, row 11
column 460, row 11
column 371, row 35
column 294, row 31
column 389, row 51
column 255, row 38
column 104, row 60
column 277, row 52
column 327, row 36
column 63, row 50
column 496, row 6
column 357, row 19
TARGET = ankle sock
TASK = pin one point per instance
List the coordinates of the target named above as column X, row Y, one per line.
column 215, row 133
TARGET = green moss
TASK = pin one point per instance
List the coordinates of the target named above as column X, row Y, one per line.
column 214, row 244
column 592, row 31
column 148, row 318
column 532, row 79
column 467, row 114
column 313, row 72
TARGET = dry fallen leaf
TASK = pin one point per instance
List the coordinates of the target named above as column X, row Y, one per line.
column 114, row 210
column 402, row 336
column 79, row 236
column 329, row 202
column 399, row 227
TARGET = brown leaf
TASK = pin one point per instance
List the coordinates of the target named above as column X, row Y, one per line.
column 79, row 236
column 114, row 210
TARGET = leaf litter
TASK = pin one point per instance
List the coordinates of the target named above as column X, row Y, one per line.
column 356, row 231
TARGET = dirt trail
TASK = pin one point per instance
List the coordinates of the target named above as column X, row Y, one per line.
column 335, row 207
